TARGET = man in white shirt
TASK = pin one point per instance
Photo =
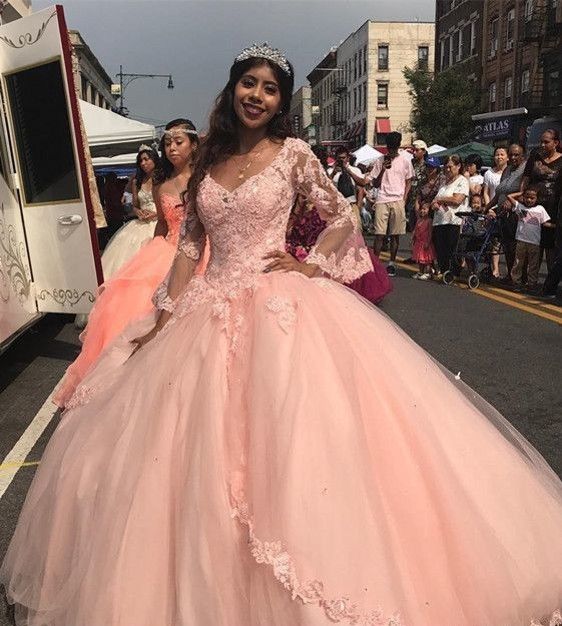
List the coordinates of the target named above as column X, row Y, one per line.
column 392, row 175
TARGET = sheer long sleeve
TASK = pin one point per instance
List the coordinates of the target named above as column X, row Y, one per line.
column 340, row 251
column 190, row 250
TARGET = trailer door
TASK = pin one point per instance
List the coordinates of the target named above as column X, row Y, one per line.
column 46, row 155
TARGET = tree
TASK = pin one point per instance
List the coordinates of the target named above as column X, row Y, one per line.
column 442, row 105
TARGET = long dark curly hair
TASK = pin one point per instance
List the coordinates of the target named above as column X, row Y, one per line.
column 222, row 138
column 164, row 171
column 140, row 176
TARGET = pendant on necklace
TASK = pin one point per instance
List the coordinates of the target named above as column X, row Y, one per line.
column 241, row 176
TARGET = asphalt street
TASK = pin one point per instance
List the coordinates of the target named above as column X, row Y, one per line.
column 508, row 351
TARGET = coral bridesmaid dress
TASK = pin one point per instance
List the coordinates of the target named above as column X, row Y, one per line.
column 125, row 297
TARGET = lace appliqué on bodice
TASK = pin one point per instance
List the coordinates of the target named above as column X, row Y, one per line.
column 249, row 222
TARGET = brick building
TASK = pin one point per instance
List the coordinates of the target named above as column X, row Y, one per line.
column 458, row 35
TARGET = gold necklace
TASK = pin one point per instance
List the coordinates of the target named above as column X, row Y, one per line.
column 253, row 156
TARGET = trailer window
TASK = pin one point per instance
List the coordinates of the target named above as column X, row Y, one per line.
column 42, row 133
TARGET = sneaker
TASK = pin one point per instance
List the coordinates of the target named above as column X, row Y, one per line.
column 425, row 277
column 416, row 275
column 391, row 269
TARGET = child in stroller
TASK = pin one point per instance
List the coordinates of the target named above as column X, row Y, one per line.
column 474, row 248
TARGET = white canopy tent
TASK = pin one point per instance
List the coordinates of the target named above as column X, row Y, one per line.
column 367, row 154
column 110, row 134
column 435, row 148
column 120, row 159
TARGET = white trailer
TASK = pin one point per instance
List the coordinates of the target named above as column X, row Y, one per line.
column 49, row 258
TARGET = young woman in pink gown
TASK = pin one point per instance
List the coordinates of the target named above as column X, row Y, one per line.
column 278, row 452
column 127, row 295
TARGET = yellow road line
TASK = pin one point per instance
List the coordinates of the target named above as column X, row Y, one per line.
column 512, row 299
column 12, row 465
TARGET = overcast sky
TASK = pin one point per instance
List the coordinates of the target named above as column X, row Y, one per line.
column 196, row 41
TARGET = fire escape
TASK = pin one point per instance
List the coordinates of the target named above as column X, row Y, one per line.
column 541, row 29
column 338, row 119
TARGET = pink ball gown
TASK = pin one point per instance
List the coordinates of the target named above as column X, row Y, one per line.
column 282, row 454
column 125, row 297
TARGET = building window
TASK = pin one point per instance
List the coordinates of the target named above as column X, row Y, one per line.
column 360, row 62
column 84, row 85
column 94, row 95
column 507, row 92
column 100, row 100
column 456, row 47
column 466, row 35
column 354, row 100
column 383, row 58
column 510, row 29
column 423, row 57
column 494, row 35
column 492, row 97
column 360, row 98
column 472, row 39
column 382, row 96
column 365, row 60
column 529, row 8
column 355, row 67
column 525, row 81
column 365, row 96
column 553, row 89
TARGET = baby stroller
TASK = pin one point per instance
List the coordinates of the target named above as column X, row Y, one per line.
column 475, row 248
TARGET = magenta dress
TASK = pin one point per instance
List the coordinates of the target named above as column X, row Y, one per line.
column 422, row 236
column 304, row 230
column 283, row 454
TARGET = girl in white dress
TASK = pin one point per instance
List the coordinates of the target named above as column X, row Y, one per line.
column 129, row 239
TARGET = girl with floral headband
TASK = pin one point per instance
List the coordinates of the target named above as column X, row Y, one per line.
column 278, row 452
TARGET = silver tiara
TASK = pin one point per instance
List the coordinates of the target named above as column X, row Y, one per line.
column 175, row 131
column 265, row 51
column 143, row 147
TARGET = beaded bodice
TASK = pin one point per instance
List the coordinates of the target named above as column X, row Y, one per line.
column 146, row 201
column 174, row 212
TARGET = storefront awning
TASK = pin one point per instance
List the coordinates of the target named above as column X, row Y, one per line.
column 383, row 126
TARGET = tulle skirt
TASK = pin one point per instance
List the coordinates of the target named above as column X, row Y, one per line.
column 124, row 244
column 287, row 457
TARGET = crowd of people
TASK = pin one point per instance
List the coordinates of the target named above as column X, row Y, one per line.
column 512, row 206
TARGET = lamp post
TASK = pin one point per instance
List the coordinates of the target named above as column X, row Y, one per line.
column 125, row 79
